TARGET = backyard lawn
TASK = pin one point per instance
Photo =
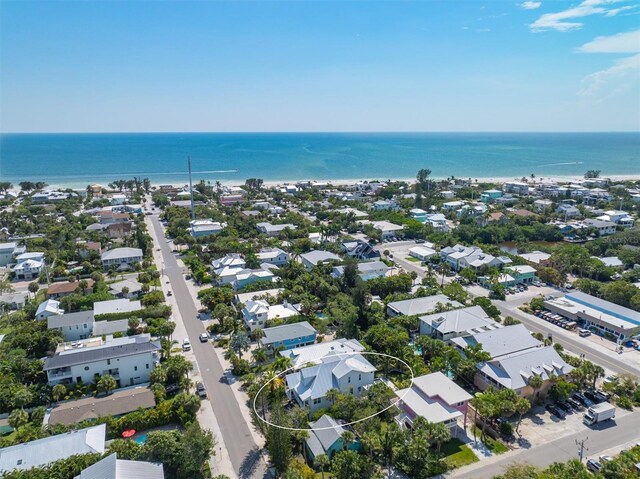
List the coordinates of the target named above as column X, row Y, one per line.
column 457, row 454
column 412, row 259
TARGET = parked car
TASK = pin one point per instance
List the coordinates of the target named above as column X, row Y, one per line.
column 591, row 395
column 202, row 392
column 605, row 458
column 204, row 338
column 582, row 400
column 186, row 345
column 611, row 379
column 574, row 404
column 172, row 388
column 565, row 406
column 556, row 411
column 593, row 465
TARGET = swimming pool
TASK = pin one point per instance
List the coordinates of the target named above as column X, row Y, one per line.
column 141, row 439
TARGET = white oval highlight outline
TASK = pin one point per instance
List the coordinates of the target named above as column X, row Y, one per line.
column 345, row 353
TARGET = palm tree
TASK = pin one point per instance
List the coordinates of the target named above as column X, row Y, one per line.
column 522, row 406
column 332, row 395
column 321, row 461
column 106, row 383
column 259, row 355
column 167, row 346
column 347, row 438
column 439, row 433
column 58, row 392
column 536, row 383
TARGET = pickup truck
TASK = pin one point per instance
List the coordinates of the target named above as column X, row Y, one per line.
column 599, row 413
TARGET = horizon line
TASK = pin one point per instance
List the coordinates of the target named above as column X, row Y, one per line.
column 307, row 132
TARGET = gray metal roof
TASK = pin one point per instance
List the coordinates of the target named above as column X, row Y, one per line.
column 459, row 320
column 501, row 341
column 287, row 331
column 49, row 449
column 423, row 305
column 78, row 356
column 326, row 437
column 113, row 468
column 69, row 319
column 318, row 256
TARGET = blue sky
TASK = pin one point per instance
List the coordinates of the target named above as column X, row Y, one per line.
column 320, row 66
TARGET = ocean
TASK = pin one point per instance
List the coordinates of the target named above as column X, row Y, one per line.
column 75, row 160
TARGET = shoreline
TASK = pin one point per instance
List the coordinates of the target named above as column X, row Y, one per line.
column 351, row 181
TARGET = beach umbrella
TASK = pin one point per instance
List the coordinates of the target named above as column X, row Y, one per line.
column 128, row 433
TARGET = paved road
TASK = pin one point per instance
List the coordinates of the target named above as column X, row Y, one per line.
column 576, row 345
column 600, row 438
column 243, row 451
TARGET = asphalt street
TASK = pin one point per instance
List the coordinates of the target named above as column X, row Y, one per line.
column 598, row 439
column 243, row 451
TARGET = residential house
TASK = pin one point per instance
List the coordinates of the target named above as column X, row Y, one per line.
column 274, row 230
column 514, row 371
column 424, row 305
column 490, row 195
column 225, row 269
column 437, row 221
column 206, row 227
column 603, row 227
column 274, row 256
column 388, row 229
column 348, row 373
column 118, row 199
column 523, row 274
column 568, row 211
column 543, row 205
column 58, row 290
column 423, row 253
column 38, row 453
column 48, row 308
column 242, row 298
column 74, row 326
column 359, row 249
column 257, row 312
column 28, row 269
column 437, row 399
column 8, row 253
column 315, row 257
column 499, row 341
column 621, row 218
column 538, row 258
column 121, row 258
column 288, row 336
column 517, row 187
column 113, row 468
column 418, row 214
column 127, row 288
column 114, row 306
column 453, row 205
column 245, row 277
column 458, row 322
column 325, row 438
column 129, row 360
column 367, row 270
column 356, row 214
column 14, row 301
column 381, row 205
column 315, row 352
column 611, row 262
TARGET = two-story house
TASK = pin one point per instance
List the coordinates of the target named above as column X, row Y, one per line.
column 436, row 398
column 274, row 256
column 459, row 322
column 257, row 312
column 121, row 258
column 129, row 360
column 348, row 373
column 288, row 336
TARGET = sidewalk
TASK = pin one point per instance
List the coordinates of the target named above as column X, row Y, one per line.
column 220, row 462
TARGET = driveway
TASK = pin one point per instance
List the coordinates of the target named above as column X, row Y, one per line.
column 243, row 451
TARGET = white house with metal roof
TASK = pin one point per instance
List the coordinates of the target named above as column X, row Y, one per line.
column 348, row 373
column 44, row 451
column 74, row 326
column 129, row 360
column 121, row 258
column 315, row 257
column 366, row 270
column 122, row 305
column 274, row 256
column 315, row 352
column 257, row 312
column 113, row 468
column 458, row 322
column 48, row 308
column 499, row 341
column 423, row 305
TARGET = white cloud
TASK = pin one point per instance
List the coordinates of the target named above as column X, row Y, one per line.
column 530, row 5
column 623, row 74
column 562, row 21
column 482, row 30
column 613, row 12
column 627, row 42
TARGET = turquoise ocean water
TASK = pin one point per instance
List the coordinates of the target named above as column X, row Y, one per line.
column 78, row 159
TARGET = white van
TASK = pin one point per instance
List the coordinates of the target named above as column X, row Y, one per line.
column 584, row 333
column 186, row 345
